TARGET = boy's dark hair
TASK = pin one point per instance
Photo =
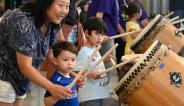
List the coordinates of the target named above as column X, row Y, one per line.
column 37, row 8
column 131, row 8
column 96, row 24
column 63, row 45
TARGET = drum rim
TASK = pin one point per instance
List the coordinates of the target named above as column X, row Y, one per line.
column 146, row 31
column 119, row 87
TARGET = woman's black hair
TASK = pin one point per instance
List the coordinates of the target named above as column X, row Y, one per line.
column 37, row 8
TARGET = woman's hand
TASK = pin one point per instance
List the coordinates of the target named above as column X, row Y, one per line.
column 59, row 92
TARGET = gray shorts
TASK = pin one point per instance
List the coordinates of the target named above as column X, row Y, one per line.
column 7, row 93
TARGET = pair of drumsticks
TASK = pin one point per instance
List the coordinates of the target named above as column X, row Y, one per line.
column 104, row 56
column 174, row 20
column 133, row 57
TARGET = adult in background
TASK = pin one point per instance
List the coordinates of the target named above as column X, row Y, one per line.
column 177, row 6
column 25, row 40
column 108, row 10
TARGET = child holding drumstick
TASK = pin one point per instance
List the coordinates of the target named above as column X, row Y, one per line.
column 65, row 60
column 134, row 12
column 96, row 88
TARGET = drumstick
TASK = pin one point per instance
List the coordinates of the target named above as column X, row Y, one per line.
column 121, row 64
column 168, row 15
column 84, row 67
column 175, row 18
column 127, row 57
column 113, row 62
column 178, row 30
column 178, row 21
column 125, row 34
column 104, row 56
column 1, row 18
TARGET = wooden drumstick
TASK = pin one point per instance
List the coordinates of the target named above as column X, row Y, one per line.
column 168, row 15
column 178, row 21
column 179, row 30
column 84, row 67
column 113, row 62
column 104, row 56
column 121, row 64
column 127, row 57
column 173, row 19
column 1, row 18
column 125, row 34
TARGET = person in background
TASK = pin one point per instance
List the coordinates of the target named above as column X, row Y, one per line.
column 96, row 89
column 71, row 29
column 12, row 4
column 134, row 12
column 108, row 10
column 65, row 61
column 143, row 20
column 123, row 17
column 84, row 4
column 25, row 42
column 177, row 6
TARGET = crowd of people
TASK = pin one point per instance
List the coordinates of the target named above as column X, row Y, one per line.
column 58, row 36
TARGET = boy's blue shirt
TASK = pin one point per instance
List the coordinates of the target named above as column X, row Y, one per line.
column 59, row 79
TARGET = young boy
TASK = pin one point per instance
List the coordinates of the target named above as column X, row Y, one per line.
column 96, row 88
column 65, row 60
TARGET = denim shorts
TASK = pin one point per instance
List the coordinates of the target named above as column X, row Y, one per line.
column 7, row 93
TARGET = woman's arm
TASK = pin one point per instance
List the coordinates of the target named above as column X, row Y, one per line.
column 25, row 66
column 60, row 35
column 49, row 101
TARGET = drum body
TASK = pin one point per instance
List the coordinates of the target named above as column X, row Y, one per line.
column 159, row 29
column 154, row 82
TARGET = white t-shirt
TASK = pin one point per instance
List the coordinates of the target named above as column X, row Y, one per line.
column 93, row 89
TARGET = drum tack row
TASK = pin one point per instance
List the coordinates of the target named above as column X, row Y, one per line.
column 156, row 77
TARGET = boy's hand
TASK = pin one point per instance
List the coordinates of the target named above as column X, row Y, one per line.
column 106, row 38
column 108, row 58
column 81, row 81
column 95, row 76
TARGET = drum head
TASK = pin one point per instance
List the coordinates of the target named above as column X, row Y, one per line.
column 145, row 33
column 140, row 70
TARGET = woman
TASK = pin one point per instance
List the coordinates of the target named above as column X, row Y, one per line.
column 25, row 40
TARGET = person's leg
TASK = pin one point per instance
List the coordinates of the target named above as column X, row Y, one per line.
column 120, row 50
column 105, row 47
column 91, row 103
column 7, row 94
column 110, row 101
column 18, row 102
column 6, row 104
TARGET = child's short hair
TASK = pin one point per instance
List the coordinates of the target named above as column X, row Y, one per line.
column 96, row 24
column 131, row 8
column 63, row 45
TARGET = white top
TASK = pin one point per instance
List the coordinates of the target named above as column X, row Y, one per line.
column 93, row 89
